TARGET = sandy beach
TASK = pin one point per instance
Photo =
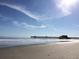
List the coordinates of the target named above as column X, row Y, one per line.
column 56, row 51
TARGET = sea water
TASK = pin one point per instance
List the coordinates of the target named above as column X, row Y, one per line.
column 19, row 42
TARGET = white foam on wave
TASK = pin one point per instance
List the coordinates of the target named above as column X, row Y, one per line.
column 18, row 42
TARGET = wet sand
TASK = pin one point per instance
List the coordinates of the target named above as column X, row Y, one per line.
column 55, row 51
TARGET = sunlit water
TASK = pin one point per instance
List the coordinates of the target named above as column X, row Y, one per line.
column 19, row 42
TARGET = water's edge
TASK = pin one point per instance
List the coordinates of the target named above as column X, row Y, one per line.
column 26, row 42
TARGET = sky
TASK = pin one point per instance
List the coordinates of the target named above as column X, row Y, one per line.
column 23, row 18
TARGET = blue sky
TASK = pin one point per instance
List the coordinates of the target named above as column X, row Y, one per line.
column 23, row 18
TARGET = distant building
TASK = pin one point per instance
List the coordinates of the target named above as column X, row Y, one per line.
column 48, row 37
column 64, row 37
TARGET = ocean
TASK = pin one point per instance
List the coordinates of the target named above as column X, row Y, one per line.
column 19, row 42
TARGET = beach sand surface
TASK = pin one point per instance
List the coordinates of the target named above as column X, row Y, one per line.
column 48, row 51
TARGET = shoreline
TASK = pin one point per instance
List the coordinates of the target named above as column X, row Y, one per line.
column 47, row 51
column 44, row 43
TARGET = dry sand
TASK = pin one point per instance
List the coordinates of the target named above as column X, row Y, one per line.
column 56, row 51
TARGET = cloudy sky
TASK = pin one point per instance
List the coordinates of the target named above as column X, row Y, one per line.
column 22, row 18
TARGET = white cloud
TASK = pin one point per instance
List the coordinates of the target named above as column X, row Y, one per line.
column 66, row 6
column 22, row 9
column 25, row 25
column 26, row 12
